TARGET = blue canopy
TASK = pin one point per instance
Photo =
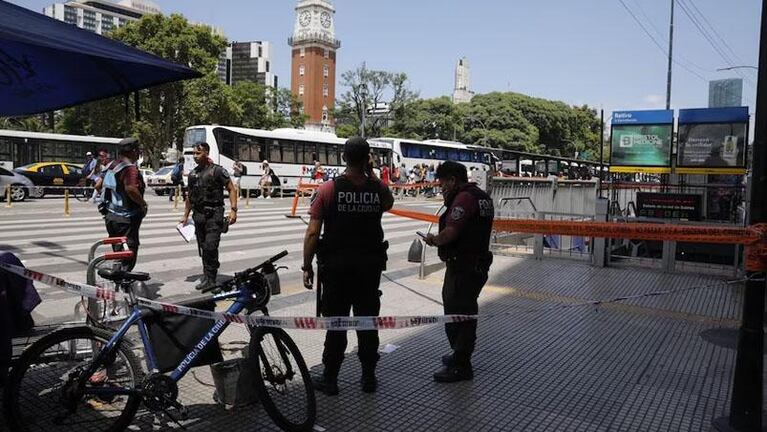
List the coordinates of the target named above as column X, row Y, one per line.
column 47, row 64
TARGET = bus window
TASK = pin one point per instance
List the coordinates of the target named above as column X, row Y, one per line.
column 288, row 151
column 225, row 140
column 274, row 152
column 306, row 152
column 243, row 150
column 333, row 157
column 439, row 153
column 194, row 136
column 322, row 153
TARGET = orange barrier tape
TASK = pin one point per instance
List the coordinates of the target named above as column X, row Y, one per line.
column 753, row 237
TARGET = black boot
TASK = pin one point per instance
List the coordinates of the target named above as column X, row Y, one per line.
column 325, row 384
column 369, row 381
column 454, row 373
column 202, row 284
column 447, row 359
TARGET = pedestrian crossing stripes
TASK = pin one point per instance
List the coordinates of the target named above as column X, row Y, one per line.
column 60, row 246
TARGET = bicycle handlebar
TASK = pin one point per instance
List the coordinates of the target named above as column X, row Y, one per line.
column 244, row 275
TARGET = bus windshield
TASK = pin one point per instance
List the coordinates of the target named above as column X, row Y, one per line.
column 193, row 136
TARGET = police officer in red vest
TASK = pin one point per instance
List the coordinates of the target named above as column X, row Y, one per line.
column 464, row 244
column 351, row 256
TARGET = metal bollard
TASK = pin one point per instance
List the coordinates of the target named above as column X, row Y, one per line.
column 8, row 196
column 66, row 203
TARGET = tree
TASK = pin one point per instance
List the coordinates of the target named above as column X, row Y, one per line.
column 369, row 89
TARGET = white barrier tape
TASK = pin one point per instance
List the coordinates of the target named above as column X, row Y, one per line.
column 301, row 323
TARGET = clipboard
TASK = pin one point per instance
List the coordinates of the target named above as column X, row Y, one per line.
column 186, row 231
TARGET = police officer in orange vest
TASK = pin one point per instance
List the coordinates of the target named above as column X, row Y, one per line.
column 464, row 244
column 351, row 256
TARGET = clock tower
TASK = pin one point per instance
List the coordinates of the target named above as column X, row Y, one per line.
column 313, row 70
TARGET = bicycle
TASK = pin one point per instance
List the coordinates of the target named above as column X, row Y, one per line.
column 88, row 377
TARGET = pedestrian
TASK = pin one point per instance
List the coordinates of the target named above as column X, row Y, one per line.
column 266, row 180
column 177, row 179
column 88, row 167
column 207, row 182
column 123, row 195
column 385, row 177
column 350, row 258
column 464, row 245
column 318, row 173
column 239, row 170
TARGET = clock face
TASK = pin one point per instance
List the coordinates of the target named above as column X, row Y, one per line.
column 325, row 19
column 305, row 18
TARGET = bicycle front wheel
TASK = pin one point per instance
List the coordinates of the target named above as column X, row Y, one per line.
column 42, row 392
column 282, row 380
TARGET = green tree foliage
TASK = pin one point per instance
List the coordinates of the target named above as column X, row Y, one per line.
column 168, row 109
column 367, row 89
column 504, row 120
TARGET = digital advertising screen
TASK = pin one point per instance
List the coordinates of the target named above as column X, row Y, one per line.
column 712, row 141
column 641, row 141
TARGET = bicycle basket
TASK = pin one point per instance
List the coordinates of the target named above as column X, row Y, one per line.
column 174, row 336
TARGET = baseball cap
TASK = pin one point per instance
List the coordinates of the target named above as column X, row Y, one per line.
column 129, row 144
column 88, row 154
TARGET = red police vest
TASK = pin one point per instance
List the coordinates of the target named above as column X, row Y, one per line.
column 353, row 218
column 473, row 242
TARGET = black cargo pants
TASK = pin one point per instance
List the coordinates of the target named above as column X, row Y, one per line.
column 460, row 292
column 345, row 289
column 208, row 224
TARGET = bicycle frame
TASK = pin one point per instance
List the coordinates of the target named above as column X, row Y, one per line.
column 243, row 297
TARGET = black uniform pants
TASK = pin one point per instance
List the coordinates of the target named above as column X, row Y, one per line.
column 118, row 226
column 345, row 289
column 208, row 224
column 460, row 292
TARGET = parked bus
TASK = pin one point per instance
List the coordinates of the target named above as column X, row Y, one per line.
column 291, row 153
column 409, row 153
column 18, row 148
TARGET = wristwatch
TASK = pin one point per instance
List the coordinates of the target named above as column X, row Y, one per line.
column 234, row 209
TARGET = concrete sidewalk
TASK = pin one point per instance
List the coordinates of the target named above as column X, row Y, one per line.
column 544, row 361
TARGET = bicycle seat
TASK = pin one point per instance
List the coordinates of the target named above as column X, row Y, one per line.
column 122, row 275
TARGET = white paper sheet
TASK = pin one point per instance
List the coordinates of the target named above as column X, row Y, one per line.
column 186, row 231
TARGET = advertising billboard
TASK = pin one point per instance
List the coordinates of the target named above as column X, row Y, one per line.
column 712, row 141
column 641, row 141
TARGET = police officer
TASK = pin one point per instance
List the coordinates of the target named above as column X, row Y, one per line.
column 124, row 206
column 350, row 256
column 464, row 244
column 207, row 182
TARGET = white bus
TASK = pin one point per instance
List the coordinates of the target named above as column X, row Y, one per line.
column 291, row 152
column 409, row 153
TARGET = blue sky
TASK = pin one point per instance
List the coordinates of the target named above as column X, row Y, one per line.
column 577, row 51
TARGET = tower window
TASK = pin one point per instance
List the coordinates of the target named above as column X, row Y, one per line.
column 301, row 90
column 324, row 89
column 325, row 70
column 301, row 70
column 302, row 52
column 327, row 53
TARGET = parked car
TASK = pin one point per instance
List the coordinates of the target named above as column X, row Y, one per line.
column 52, row 174
column 146, row 172
column 21, row 186
column 159, row 180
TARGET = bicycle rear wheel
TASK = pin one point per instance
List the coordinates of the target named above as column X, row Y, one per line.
column 41, row 394
column 282, row 380
column 82, row 194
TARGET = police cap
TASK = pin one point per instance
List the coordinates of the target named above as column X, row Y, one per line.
column 356, row 150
